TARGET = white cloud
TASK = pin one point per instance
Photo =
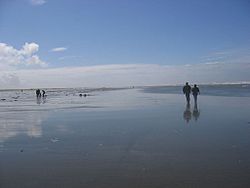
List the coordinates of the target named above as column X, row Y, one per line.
column 37, row 2
column 213, row 63
column 29, row 48
column 116, row 75
column 228, row 56
column 26, row 56
column 59, row 49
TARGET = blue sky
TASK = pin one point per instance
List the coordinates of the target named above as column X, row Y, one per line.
column 98, row 32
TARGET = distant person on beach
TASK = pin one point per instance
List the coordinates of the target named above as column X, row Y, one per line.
column 43, row 93
column 195, row 91
column 187, row 90
column 38, row 93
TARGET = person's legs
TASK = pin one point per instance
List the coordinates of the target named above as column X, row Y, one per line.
column 195, row 99
column 188, row 97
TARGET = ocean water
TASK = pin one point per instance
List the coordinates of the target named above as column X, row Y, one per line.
column 142, row 137
column 229, row 90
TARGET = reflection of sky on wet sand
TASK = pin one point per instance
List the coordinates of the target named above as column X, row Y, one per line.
column 25, row 115
column 13, row 124
column 134, row 138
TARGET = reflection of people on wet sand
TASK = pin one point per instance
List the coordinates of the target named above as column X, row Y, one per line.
column 187, row 90
column 187, row 115
column 196, row 112
column 195, row 91
column 38, row 100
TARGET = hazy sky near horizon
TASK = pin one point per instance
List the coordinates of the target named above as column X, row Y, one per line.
column 123, row 42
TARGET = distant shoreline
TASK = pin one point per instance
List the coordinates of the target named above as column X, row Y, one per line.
column 135, row 86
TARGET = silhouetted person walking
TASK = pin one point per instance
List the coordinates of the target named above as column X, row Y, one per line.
column 195, row 91
column 187, row 90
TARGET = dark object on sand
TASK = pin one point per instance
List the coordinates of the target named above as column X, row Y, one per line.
column 21, row 150
column 3, row 99
column 80, row 95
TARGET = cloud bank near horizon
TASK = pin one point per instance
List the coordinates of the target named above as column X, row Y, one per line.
column 118, row 75
column 22, row 68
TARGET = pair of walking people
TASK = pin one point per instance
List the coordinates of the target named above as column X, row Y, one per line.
column 187, row 91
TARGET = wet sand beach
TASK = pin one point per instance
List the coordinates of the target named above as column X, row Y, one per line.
column 136, row 138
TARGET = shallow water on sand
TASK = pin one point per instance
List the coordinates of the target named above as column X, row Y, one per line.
column 125, row 138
